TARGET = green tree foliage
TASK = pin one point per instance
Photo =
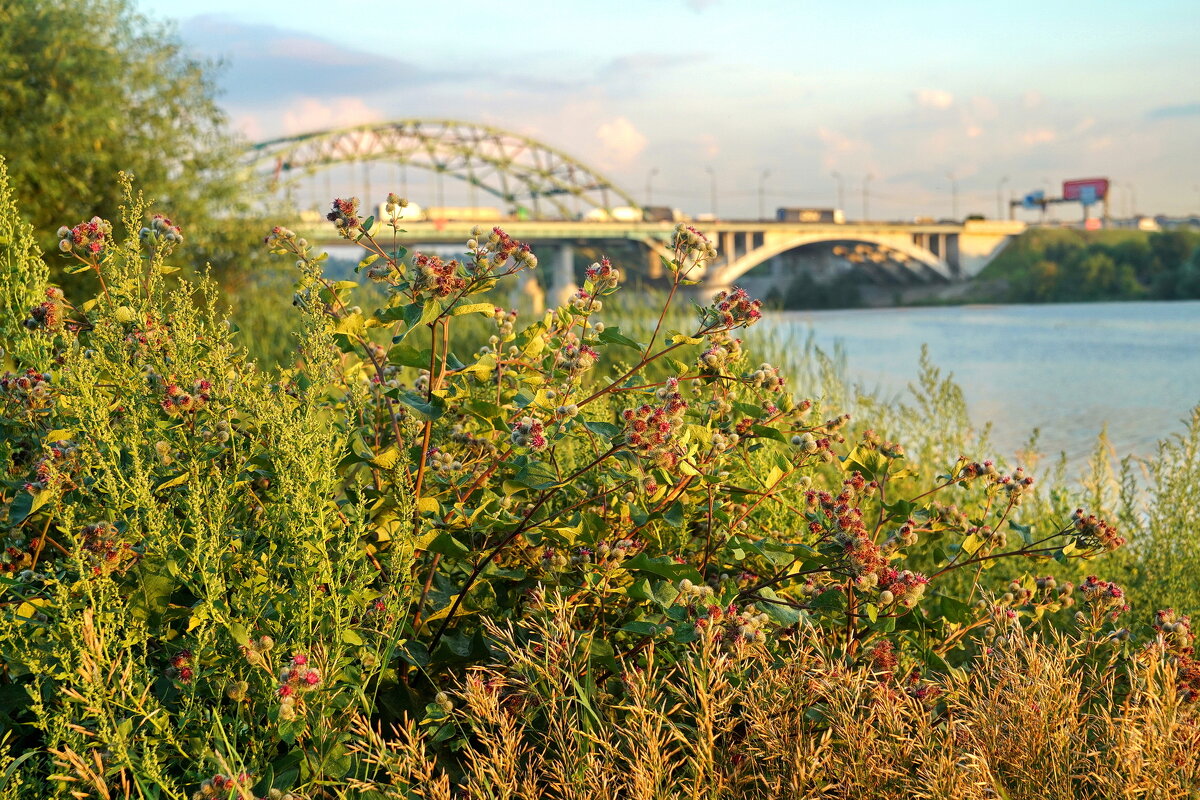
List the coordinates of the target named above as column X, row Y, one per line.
column 91, row 87
column 1048, row 265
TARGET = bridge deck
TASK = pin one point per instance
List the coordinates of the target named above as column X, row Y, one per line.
column 534, row 230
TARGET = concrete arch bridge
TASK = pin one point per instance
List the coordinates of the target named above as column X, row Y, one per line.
column 757, row 255
column 545, row 196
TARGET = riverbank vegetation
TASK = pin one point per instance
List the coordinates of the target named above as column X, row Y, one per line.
column 1065, row 265
column 1042, row 265
column 446, row 551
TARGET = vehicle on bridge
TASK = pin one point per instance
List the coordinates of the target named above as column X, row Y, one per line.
column 663, row 214
column 834, row 215
column 614, row 214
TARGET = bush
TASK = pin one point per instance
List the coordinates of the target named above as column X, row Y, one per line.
column 220, row 580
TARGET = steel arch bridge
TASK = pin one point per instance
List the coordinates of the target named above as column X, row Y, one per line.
column 519, row 170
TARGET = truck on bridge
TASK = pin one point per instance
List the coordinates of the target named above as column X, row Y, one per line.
column 827, row 215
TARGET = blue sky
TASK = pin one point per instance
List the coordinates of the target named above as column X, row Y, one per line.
column 907, row 92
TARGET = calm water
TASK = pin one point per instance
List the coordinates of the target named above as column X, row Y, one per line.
column 1066, row 369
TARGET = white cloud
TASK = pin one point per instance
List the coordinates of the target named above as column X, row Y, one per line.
column 984, row 108
column 709, row 146
column 250, row 126
column 311, row 114
column 842, row 151
column 836, row 141
column 974, row 131
column 1039, row 136
column 933, row 98
column 621, row 141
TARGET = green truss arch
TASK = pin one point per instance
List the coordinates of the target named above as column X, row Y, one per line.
column 517, row 169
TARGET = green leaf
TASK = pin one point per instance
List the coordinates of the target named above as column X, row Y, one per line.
column 447, row 545
column 170, row 483
column 871, row 463
column 972, row 543
column 25, row 504
column 486, row 364
column 417, row 314
column 1026, row 531
column 664, row 567
column 432, row 407
column 387, row 459
column 154, row 586
column 392, row 314
column 605, row 429
column 613, row 336
column 239, row 633
column 289, row 730
column 640, row 590
column 351, row 325
column 530, row 341
column 767, row 432
column 537, row 475
column 473, row 308
column 408, row 356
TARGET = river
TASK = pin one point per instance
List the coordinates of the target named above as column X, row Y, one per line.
column 1066, row 369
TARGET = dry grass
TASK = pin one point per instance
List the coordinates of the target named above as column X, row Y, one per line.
column 1029, row 720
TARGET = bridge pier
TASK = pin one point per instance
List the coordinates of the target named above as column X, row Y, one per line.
column 562, row 283
column 526, row 289
column 654, row 269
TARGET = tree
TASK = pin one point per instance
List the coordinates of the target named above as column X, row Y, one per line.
column 89, row 88
column 1170, row 248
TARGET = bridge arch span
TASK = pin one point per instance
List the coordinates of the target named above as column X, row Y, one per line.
column 729, row 272
column 515, row 168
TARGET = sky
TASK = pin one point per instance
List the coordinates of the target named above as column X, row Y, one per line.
column 910, row 100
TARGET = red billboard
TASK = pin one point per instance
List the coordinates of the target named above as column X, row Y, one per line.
column 1086, row 190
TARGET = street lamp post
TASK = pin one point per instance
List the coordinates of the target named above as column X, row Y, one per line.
column 762, row 179
column 999, row 197
column 953, row 196
column 712, row 178
column 866, row 206
column 649, row 188
column 841, row 190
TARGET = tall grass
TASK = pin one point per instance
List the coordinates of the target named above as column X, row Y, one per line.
column 292, row 551
column 1030, row 720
